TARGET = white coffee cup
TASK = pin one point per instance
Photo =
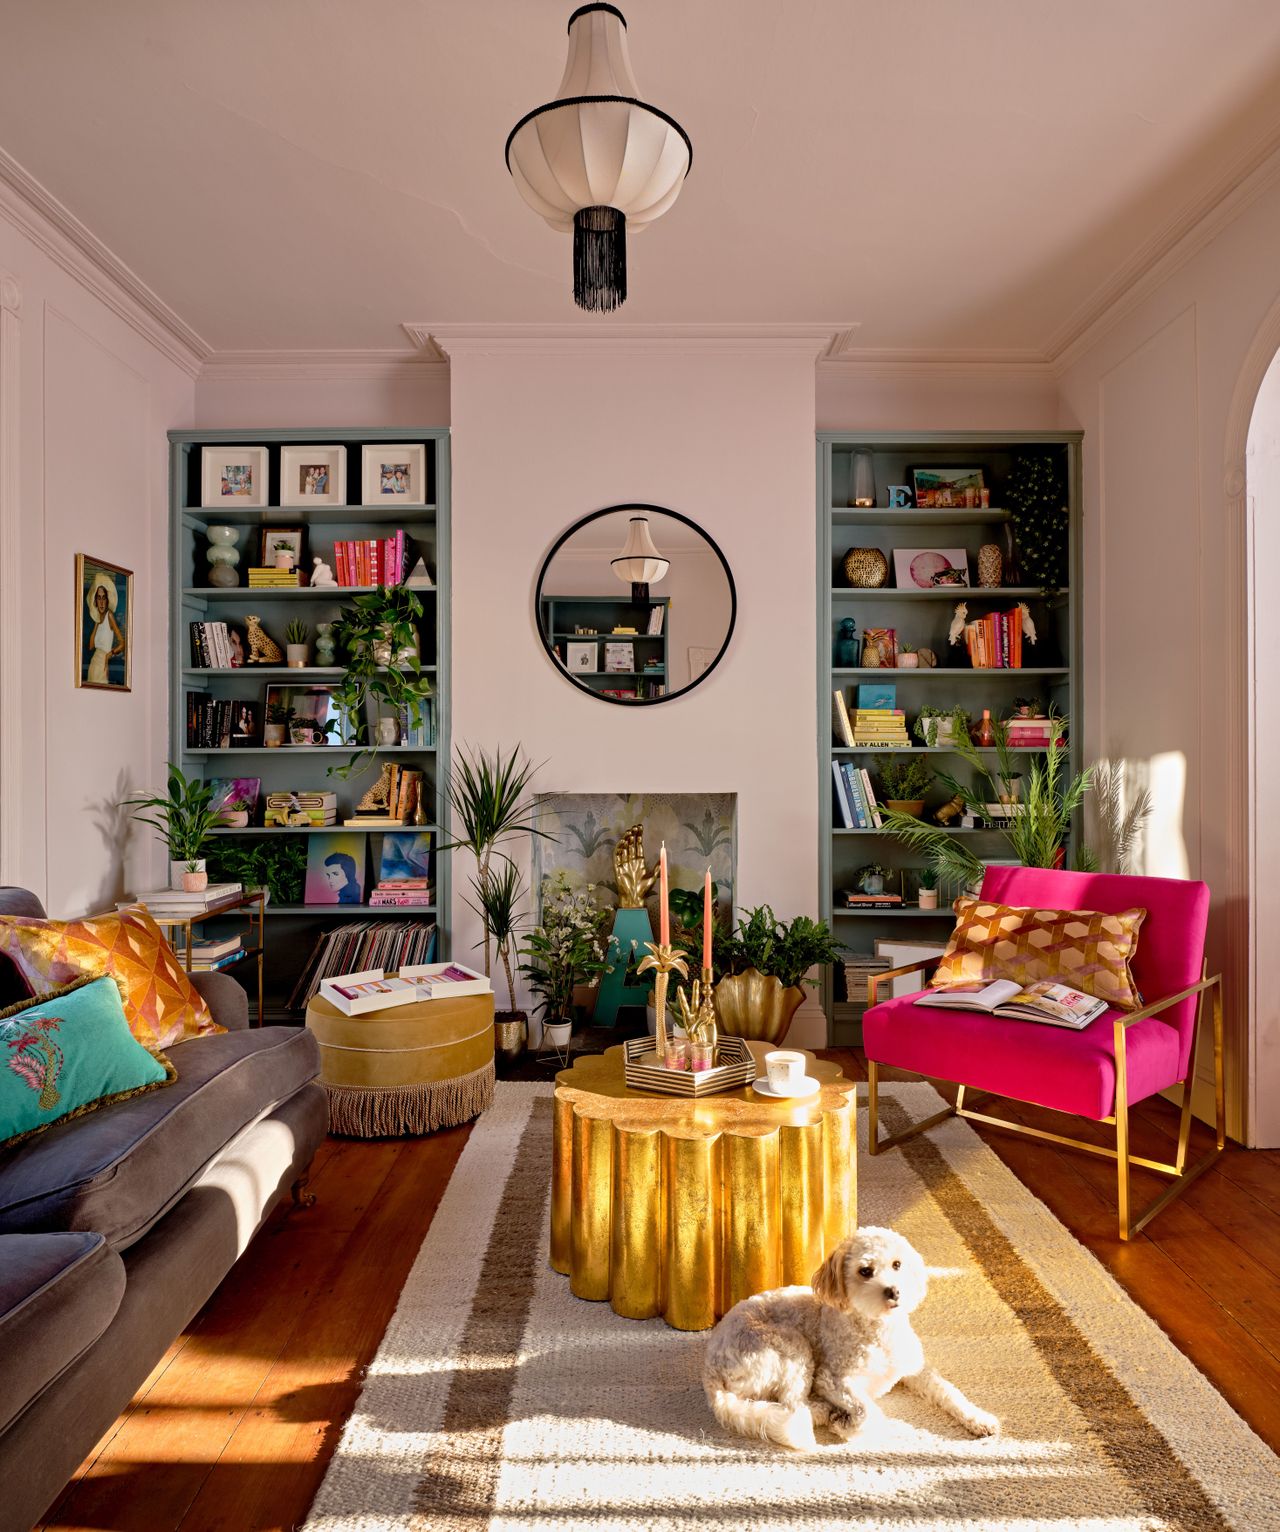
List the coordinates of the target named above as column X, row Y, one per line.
column 785, row 1069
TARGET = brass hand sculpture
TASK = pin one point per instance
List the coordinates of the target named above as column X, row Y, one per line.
column 633, row 881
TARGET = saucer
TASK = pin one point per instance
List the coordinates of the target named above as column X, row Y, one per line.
column 808, row 1087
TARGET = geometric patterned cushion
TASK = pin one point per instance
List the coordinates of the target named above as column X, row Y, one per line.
column 1083, row 948
column 161, row 1005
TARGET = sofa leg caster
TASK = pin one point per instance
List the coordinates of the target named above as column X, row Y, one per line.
column 302, row 1198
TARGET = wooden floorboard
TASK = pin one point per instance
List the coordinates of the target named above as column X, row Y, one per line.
column 235, row 1426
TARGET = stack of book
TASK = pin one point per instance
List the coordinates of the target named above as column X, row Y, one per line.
column 215, row 647
column 881, row 728
column 401, row 893
column 405, row 789
column 215, row 952
column 370, row 560
column 851, row 899
column 288, row 810
column 994, row 642
column 855, row 797
column 177, row 904
column 1036, row 733
column 388, row 945
column 272, row 579
column 857, row 970
column 213, row 723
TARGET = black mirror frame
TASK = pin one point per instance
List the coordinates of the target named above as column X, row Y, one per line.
column 549, row 645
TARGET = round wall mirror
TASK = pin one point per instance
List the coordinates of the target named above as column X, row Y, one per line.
column 635, row 604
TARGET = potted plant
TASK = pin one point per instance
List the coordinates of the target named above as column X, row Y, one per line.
column 567, row 949
column 904, row 785
column 908, row 659
column 498, row 905
column 378, row 636
column 928, row 897
column 284, row 554
column 280, row 718
column 767, row 960
column 939, row 727
column 234, row 814
column 871, row 878
column 295, row 644
column 183, row 815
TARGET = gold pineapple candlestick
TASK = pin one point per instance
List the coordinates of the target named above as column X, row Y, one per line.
column 664, row 960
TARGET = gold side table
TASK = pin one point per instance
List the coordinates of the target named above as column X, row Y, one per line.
column 250, row 903
column 666, row 1205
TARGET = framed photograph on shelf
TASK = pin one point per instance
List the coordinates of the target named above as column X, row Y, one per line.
column 317, row 719
column 313, row 476
column 246, row 724
column 929, row 568
column 584, row 659
column 395, row 473
column 620, row 657
column 949, row 488
column 279, row 540
column 104, row 625
column 233, row 478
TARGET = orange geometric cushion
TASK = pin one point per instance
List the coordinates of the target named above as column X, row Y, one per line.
column 1083, row 948
column 160, row 1003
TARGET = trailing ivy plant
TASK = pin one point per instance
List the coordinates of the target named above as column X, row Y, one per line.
column 386, row 620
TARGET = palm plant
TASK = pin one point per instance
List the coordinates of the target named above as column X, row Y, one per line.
column 184, row 816
column 1036, row 831
column 498, row 905
column 488, row 806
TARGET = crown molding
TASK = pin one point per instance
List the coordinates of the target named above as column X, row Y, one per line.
column 1166, row 251
column 54, row 229
column 975, row 366
column 589, row 338
column 317, row 366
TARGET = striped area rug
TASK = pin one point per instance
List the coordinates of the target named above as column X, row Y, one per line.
column 500, row 1403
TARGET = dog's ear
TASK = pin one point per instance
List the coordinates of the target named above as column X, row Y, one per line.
column 828, row 1280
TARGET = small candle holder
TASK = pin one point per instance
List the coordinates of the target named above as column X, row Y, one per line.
column 663, row 960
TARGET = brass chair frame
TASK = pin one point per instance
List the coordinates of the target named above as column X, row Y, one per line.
column 1129, row 1225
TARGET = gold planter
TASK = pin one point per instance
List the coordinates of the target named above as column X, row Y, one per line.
column 912, row 806
column 757, row 1006
column 510, row 1038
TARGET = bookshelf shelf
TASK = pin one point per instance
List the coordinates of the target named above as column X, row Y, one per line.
column 304, row 768
column 922, row 618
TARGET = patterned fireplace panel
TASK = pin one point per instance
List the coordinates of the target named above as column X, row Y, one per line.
column 700, row 830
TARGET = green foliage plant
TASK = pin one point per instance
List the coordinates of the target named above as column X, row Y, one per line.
column 280, row 712
column 497, row 902
column 567, row 949
column 905, row 781
column 183, row 815
column 296, row 632
column 926, row 725
column 277, row 863
column 785, row 950
column 383, row 618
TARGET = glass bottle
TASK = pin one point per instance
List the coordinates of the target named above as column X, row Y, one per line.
column 846, row 655
column 862, row 478
column 985, row 734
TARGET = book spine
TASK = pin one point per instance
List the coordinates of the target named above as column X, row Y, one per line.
column 872, row 806
column 842, row 802
column 857, row 803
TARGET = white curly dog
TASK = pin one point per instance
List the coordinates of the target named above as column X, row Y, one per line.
column 784, row 1361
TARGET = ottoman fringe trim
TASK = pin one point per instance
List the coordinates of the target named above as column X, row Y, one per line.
column 393, row 1110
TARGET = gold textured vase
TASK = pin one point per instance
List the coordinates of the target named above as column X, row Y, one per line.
column 510, row 1038
column 866, row 568
column 757, row 1006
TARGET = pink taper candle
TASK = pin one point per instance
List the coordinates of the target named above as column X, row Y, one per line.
column 664, row 914
column 706, row 922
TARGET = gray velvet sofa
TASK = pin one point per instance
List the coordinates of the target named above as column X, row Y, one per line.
column 116, row 1227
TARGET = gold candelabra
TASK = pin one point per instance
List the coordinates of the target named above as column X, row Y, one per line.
column 664, row 960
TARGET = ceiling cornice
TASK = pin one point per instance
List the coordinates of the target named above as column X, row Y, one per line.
column 588, row 339
column 900, row 365
column 51, row 227
column 317, row 366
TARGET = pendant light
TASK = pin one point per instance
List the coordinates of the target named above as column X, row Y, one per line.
column 597, row 159
column 639, row 563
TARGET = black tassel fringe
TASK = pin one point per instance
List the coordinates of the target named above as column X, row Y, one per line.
column 599, row 259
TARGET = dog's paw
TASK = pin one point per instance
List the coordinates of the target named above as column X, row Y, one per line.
column 980, row 1423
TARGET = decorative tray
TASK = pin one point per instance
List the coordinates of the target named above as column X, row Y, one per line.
column 643, row 1071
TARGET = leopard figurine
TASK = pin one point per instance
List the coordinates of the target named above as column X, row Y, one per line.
column 262, row 649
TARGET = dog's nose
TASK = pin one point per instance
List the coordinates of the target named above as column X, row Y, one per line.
column 891, row 1294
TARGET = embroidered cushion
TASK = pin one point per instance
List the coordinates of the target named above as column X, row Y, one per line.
column 160, row 1003
column 1086, row 949
column 69, row 1053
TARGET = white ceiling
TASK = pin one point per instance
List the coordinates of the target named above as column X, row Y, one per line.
column 953, row 174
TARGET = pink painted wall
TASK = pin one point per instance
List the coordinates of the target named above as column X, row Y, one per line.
column 89, row 417
column 319, row 393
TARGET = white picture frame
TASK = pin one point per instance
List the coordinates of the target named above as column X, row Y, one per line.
column 582, row 659
column 304, row 469
column 233, row 478
column 620, row 657
column 931, row 568
column 394, row 473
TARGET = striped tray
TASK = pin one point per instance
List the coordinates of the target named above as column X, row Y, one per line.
column 643, row 1072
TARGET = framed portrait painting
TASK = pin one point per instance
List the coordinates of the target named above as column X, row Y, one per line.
column 396, row 474
column 104, row 625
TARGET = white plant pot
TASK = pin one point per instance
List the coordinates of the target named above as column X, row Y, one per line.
column 297, row 656
column 557, row 1033
column 284, row 561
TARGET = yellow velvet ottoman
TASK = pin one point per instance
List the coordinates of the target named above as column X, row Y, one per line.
column 408, row 1069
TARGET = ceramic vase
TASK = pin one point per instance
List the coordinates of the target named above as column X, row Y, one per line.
column 756, row 1006
column 325, row 653
column 866, row 568
column 990, row 565
column 223, row 557
column 388, row 731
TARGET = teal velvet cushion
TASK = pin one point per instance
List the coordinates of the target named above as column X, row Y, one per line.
column 69, row 1052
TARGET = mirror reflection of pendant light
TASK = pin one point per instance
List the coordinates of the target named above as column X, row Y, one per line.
column 640, row 563
column 597, row 159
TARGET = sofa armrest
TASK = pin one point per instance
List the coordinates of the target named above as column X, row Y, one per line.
column 225, row 998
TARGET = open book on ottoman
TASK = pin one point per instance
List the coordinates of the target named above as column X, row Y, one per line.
column 1056, row 1004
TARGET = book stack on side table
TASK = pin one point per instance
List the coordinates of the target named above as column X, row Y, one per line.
column 216, row 952
column 177, row 904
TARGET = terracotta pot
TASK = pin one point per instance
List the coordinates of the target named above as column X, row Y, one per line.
column 510, row 1038
column 757, row 1006
column 234, row 819
column 928, row 898
column 909, row 661
column 194, row 882
column 912, row 806
column 273, row 735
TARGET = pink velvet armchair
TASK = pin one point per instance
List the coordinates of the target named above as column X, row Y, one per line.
column 1100, row 1072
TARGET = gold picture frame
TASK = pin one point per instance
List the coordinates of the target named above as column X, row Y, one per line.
column 104, row 625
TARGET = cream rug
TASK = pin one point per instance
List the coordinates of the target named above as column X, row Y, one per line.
column 500, row 1403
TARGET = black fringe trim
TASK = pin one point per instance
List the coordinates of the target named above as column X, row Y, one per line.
column 599, row 259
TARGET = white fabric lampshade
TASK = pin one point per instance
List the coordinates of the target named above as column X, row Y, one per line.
column 640, row 563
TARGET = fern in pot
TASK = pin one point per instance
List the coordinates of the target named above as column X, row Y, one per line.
column 904, row 786
column 765, row 962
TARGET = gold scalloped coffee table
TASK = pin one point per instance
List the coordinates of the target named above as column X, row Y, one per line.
column 666, row 1205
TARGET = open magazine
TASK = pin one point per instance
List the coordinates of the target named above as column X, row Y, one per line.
column 1057, row 1004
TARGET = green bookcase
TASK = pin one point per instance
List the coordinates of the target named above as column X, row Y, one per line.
column 293, row 928
column 1050, row 672
column 562, row 615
